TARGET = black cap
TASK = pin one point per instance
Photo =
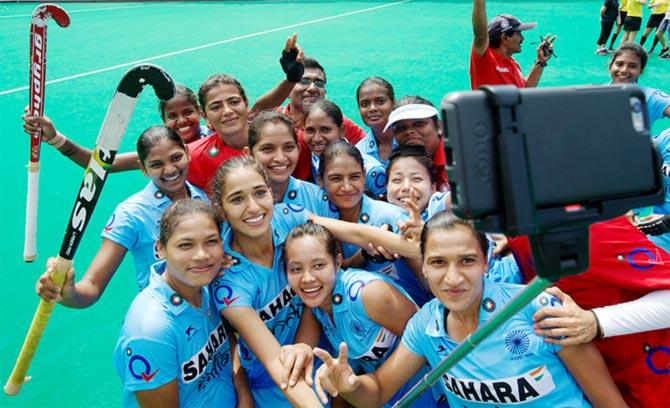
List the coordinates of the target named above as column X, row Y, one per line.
column 506, row 22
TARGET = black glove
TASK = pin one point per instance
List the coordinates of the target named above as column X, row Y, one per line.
column 656, row 226
column 291, row 67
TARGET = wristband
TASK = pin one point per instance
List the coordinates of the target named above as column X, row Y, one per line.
column 292, row 68
column 599, row 330
column 377, row 259
column 540, row 63
column 59, row 141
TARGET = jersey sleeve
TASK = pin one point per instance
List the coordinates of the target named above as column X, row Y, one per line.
column 375, row 179
column 149, row 363
column 414, row 331
column 121, row 228
column 234, row 289
column 544, row 299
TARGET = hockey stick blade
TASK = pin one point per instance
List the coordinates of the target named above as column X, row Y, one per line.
column 141, row 75
column 44, row 11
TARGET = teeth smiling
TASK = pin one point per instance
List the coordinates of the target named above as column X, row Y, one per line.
column 255, row 220
column 312, row 290
column 172, row 178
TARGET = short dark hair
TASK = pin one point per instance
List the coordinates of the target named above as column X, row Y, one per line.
column 180, row 209
column 179, row 90
column 415, row 152
column 335, row 149
column 310, row 62
column 330, row 108
column 256, row 126
column 216, row 80
column 151, row 136
column 447, row 220
column 634, row 48
column 375, row 80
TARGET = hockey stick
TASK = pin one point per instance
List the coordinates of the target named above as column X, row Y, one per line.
column 109, row 139
column 37, row 79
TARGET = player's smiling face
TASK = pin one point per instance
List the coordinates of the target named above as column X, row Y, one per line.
column 320, row 131
column 246, row 203
column 167, row 166
column 374, row 105
column 311, row 270
column 182, row 116
column 226, row 111
column 407, row 174
column 626, row 68
column 418, row 132
column 276, row 151
column 193, row 252
column 453, row 264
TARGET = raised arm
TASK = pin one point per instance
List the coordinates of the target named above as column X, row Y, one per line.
column 263, row 344
column 291, row 62
column 479, row 27
column 361, row 235
column 73, row 151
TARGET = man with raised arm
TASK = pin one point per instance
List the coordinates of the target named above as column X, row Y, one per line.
column 491, row 61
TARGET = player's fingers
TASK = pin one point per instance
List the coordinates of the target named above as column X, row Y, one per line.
column 324, row 356
column 301, row 55
column 288, row 362
column 317, row 385
column 308, row 372
column 297, row 368
column 549, row 313
column 344, row 354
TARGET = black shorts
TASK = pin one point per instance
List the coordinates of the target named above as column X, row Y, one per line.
column 632, row 23
column 655, row 20
column 622, row 17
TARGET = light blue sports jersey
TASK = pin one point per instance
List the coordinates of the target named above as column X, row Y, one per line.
column 657, row 102
column 375, row 174
column 303, row 194
column 663, row 142
column 512, row 367
column 135, row 225
column 265, row 290
column 165, row 338
column 368, row 145
column 369, row 343
column 379, row 213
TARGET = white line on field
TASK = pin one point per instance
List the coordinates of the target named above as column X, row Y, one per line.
column 199, row 47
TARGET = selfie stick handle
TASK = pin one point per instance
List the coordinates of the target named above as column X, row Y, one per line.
column 534, row 288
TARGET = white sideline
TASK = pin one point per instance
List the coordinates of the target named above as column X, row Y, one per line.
column 199, row 47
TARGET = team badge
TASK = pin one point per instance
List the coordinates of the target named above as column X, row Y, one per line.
column 337, row 299
column 488, row 305
column 517, row 342
column 176, row 300
column 213, row 152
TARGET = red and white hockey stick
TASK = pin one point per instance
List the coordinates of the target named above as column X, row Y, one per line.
column 38, row 64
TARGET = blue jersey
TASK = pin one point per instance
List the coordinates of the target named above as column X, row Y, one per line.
column 368, row 145
column 375, row 174
column 246, row 284
column 657, row 102
column 303, row 194
column 512, row 366
column 135, row 225
column 164, row 338
column 663, row 142
column 369, row 343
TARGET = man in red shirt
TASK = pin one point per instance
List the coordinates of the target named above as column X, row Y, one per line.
column 491, row 61
column 311, row 88
column 415, row 121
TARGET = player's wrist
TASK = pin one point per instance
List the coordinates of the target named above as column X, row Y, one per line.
column 541, row 64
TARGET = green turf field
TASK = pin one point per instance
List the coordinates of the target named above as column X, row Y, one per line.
column 422, row 47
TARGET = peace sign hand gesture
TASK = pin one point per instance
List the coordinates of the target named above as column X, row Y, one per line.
column 335, row 375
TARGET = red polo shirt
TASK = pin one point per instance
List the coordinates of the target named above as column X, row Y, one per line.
column 440, row 168
column 624, row 265
column 207, row 154
column 494, row 69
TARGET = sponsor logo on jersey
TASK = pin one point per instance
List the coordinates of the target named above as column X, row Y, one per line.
column 504, row 70
column 355, row 289
column 383, row 343
column 276, row 305
column 526, row 387
column 140, row 368
column 190, row 332
column 643, row 259
column 197, row 364
column 658, row 359
column 224, row 294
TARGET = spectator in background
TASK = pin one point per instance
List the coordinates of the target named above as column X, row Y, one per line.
column 608, row 16
column 491, row 61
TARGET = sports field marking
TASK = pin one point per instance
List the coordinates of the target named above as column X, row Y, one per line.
column 80, row 11
column 199, row 47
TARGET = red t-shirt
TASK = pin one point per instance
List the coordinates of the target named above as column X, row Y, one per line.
column 624, row 265
column 352, row 132
column 207, row 154
column 494, row 69
column 440, row 168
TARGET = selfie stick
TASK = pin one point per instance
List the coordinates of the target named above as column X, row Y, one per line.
column 559, row 238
